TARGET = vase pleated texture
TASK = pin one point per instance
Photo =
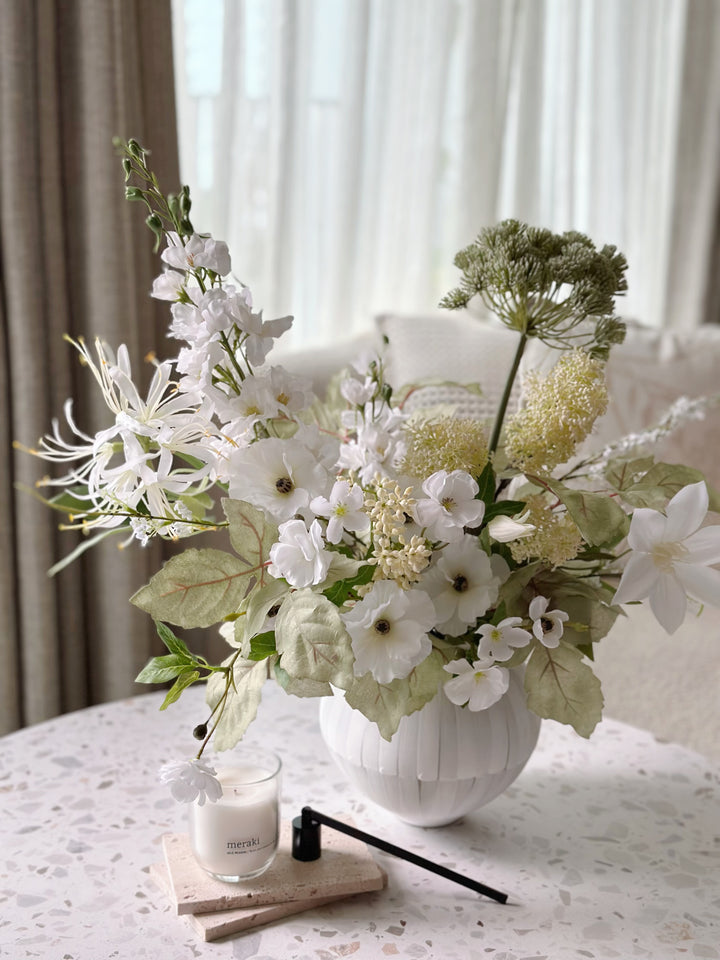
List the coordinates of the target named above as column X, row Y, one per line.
column 443, row 762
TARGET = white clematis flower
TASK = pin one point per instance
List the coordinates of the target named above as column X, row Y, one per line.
column 389, row 631
column 671, row 557
column 499, row 641
column 450, row 505
column 547, row 624
column 191, row 780
column 300, row 555
column 479, row 685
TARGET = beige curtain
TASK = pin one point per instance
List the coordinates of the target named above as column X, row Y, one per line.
column 75, row 257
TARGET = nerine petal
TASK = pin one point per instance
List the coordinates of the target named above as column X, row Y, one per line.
column 686, row 511
column 639, row 577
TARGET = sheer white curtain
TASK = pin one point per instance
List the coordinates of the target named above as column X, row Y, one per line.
column 347, row 148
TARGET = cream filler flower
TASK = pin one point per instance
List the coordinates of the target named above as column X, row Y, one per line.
column 548, row 625
column 191, row 780
column 671, row 557
column 300, row 555
column 343, row 508
column 499, row 641
column 389, row 631
column 479, row 685
column 450, row 505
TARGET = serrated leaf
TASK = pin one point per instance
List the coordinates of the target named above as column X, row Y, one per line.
column 251, row 535
column 312, row 640
column 662, row 482
column 622, row 474
column 162, row 669
column 173, row 643
column 339, row 592
column 599, row 518
column 242, row 703
column 560, row 686
column 197, row 588
column 387, row 703
column 300, row 688
column 184, row 681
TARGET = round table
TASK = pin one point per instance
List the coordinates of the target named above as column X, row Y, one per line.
column 608, row 848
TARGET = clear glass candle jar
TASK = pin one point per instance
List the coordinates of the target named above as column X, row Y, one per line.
column 236, row 837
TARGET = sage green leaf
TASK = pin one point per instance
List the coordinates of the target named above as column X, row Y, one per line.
column 622, row 474
column 243, row 700
column 661, row 482
column 312, row 640
column 511, row 591
column 197, row 588
column 258, row 604
column 184, row 681
column 560, row 686
column 600, row 519
column 387, row 703
column 301, row 688
column 251, row 536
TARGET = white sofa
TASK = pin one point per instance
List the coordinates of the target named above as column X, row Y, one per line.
column 669, row 685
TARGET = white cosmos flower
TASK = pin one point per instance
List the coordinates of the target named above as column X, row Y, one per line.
column 499, row 641
column 671, row 557
column 479, row 685
column 463, row 584
column 278, row 476
column 389, row 630
column 191, row 780
column 197, row 252
column 344, row 509
column 547, row 624
column 450, row 505
column 300, row 555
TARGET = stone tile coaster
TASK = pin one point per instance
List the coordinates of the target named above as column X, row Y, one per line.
column 345, row 867
column 225, row 923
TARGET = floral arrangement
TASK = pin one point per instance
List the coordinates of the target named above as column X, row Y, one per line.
column 397, row 556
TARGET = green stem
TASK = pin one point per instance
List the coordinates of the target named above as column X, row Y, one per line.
column 497, row 429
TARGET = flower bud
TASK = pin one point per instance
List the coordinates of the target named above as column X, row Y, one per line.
column 200, row 731
column 134, row 193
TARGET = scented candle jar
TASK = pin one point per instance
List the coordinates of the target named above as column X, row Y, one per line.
column 236, row 837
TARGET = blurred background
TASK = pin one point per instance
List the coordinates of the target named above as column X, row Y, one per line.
column 345, row 149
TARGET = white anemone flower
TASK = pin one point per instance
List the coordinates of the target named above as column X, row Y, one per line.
column 191, row 780
column 299, row 555
column 547, row 624
column 389, row 630
column 671, row 557
column 499, row 641
column 343, row 508
column 450, row 505
column 479, row 684
column 278, row 476
column 463, row 584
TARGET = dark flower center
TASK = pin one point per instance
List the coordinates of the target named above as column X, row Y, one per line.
column 546, row 624
column 284, row 485
column 460, row 583
column 382, row 627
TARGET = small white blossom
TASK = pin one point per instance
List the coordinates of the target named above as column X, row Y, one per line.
column 168, row 285
column 499, row 641
column 344, row 510
column 479, row 685
column 547, row 624
column 450, row 505
column 197, row 252
column 191, row 780
column 300, row 555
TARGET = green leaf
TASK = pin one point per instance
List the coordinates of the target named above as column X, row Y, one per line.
column 312, row 640
column 560, row 686
column 387, row 703
column 341, row 591
column 504, row 508
column 162, row 669
column 184, row 681
column 511, row 591
column 600, row 519
column 487, row 484
column 173, row 643
column 661, row 482
column 262, row 646
column 256, row 607
column 622, row 474
column 197, row 588
column 84, row 545
column 242, row 703
column 301, row 688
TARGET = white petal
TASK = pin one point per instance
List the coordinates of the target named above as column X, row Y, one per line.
column 638, row 579
column 537, row 607
column 702, row 583
column 647, row 527
column 668, row 602
column 704, row 546
column 686, row 511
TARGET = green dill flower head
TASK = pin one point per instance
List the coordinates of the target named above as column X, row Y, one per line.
column 543, row 284
column 560, row 411
column 445, row 443
column 556, row 538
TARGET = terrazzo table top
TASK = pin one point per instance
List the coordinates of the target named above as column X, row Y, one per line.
column 608, row 849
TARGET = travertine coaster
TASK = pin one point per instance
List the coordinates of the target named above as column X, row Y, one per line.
column 345, row 867
column 225, row 923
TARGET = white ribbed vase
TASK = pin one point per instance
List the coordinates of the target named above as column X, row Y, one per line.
column 443, row 762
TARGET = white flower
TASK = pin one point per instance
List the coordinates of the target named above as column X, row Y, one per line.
column 356, row 392
column 547, row 624
column 197, row 252
column 451, row 505
column 343, row 508
column 168, row 285
column 191, row 780
column 388, row 629
column 479, row 685
column 299, row 556
column 278, row 476
column 506, row 529
column 672, row 556
column 463, row 584
column 499, row 641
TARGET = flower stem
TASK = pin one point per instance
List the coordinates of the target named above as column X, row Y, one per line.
column 497, row 428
